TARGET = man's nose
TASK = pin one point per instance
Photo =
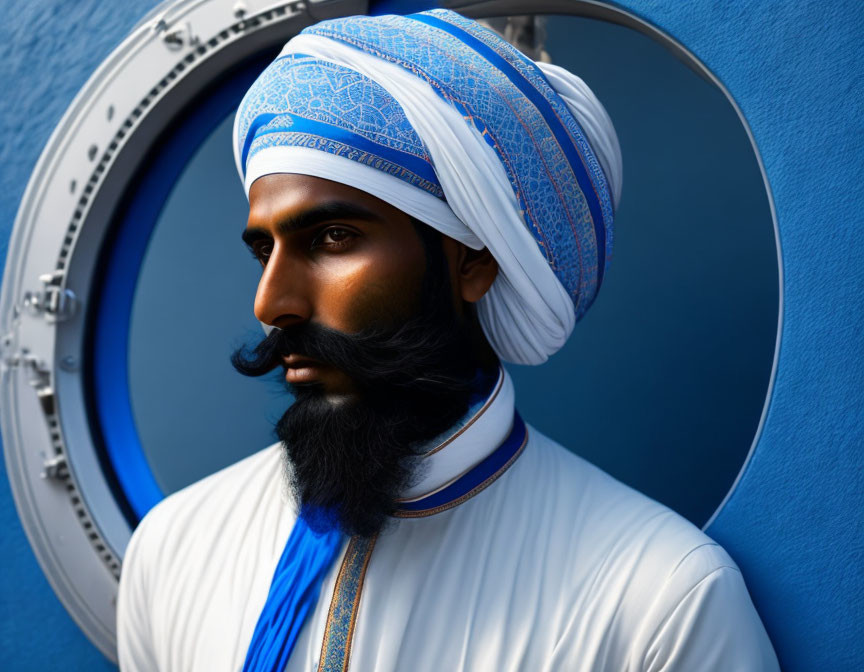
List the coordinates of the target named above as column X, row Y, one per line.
column 282, row 299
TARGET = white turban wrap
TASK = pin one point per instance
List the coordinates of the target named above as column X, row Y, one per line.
column 484, row 167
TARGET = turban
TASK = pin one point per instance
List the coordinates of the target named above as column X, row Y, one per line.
column 446, row 121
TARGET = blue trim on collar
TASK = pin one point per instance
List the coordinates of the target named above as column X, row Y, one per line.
column 476, row 479
column 482, row 388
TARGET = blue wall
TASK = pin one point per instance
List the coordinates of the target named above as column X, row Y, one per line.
column 48, row 50
column 795, row 523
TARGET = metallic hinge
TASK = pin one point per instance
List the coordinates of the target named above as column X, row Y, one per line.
column 45, row 393
column 40, row 379
column 23, row 357
column 177, row 38
column 54, row 302
column 39, row 376
column 55, row 468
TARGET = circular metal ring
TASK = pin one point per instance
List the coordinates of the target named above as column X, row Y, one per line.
column 66, row 497
column 185, row 51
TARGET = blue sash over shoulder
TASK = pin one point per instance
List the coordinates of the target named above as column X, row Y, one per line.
column 294, row 592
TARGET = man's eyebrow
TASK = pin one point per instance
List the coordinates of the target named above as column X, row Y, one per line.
column 312, row 217
column 250, row 236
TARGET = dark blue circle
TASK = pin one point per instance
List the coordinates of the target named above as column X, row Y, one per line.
column 121, row 259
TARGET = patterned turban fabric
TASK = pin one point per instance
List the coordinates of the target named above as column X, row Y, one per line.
column 443, row 119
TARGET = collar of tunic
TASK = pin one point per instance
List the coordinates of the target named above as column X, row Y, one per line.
column 471, row 457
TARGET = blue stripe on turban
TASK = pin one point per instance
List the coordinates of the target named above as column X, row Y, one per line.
column 507, row 99
column 300, row 101
column 559, row 188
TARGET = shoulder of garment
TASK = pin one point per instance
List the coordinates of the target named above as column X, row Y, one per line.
column 677, row 600
column 702, row 619
column 177, row 538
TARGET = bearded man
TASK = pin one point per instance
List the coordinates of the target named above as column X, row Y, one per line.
column 425, row 202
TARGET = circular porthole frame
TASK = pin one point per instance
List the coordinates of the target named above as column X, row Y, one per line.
column 65, row 498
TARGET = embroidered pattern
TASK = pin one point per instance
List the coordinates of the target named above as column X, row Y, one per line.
column 567, row 221
column 324, row 144
column 336, row 647
column 296, row 92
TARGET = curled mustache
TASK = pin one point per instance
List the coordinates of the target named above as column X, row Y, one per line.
column 419, row 351
column 430, row 353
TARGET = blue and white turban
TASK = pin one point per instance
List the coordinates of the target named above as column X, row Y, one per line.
column 446, row 121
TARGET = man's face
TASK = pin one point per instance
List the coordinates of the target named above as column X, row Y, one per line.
column 373, row 336
column 334, row 256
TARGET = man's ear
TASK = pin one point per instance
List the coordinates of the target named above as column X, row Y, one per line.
column 473, row 271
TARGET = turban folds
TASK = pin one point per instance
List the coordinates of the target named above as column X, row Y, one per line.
column 446, row 121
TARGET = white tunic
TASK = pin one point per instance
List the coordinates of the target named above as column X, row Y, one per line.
column 554, row 566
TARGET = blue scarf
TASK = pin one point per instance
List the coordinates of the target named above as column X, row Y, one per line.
column 293, row 593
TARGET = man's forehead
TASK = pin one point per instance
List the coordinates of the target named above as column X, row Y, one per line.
column 277, row 196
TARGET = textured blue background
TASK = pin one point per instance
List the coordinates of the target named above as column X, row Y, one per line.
column 795, row 523
column 48, row 49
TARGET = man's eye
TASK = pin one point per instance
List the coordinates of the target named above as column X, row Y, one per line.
column 262, row 251
column 333, row 237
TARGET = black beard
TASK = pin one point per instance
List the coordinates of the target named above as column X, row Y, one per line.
column 351, row 458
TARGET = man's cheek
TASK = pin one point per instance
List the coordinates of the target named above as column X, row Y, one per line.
column 382, row 304
column 356, row 301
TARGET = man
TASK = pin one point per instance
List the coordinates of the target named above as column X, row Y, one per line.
column 424, row 201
